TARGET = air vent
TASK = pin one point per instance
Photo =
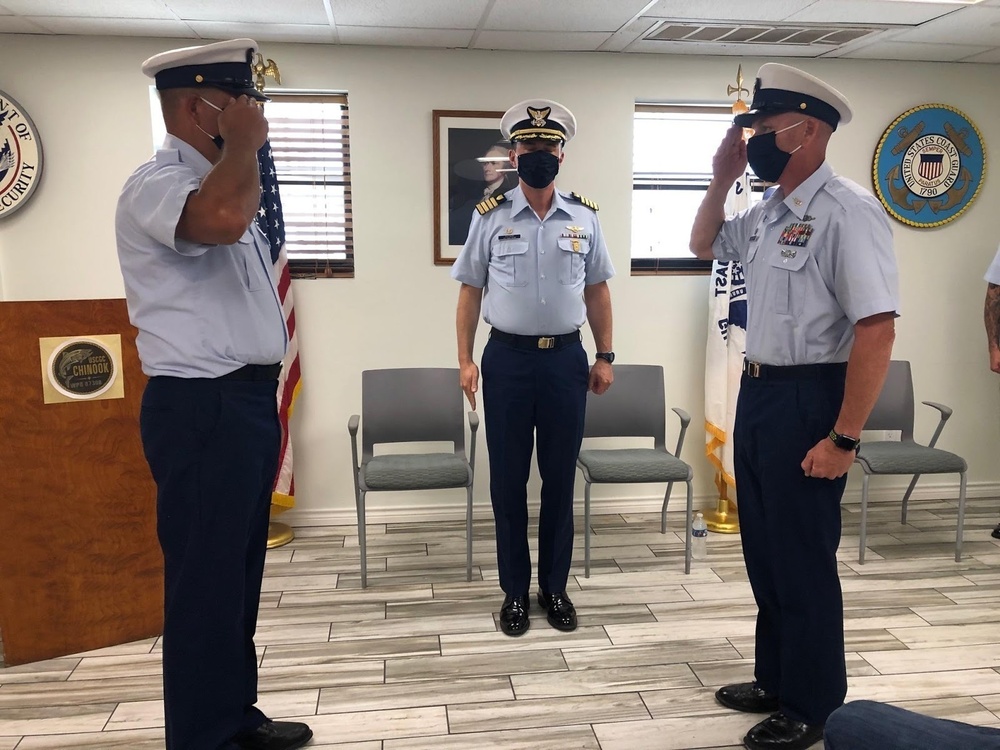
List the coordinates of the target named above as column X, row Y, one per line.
column 794, row 36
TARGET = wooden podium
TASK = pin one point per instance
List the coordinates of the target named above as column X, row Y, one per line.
column 80, row 565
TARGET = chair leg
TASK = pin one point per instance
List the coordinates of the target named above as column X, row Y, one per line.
column 663, row 512
column 906, row 497
column 961, row 518
column 864, row 519
column 586, row 530
column 361, row 538
column 468, row 535
column 689, row 514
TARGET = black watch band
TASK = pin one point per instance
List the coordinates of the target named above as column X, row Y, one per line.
column 845, row 442
column 608, row 357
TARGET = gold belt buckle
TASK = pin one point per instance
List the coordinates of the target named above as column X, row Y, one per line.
column 753, row 369
column 546, row 342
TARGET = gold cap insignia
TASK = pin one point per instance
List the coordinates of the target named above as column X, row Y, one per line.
column 539, row 116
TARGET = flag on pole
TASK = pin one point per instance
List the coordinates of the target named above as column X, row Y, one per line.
column 272, row 224
column 727, row 336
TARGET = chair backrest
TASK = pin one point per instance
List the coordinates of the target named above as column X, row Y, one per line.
column 408, row 405
column 894, row 408
column 632, row 407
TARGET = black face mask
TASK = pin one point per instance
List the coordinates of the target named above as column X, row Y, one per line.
column 765, row 158
column 538, row 168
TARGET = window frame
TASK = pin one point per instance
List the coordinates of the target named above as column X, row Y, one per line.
column 328, row 268
column 691, row 266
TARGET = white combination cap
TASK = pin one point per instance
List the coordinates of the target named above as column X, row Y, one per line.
column 782, row 88
column 222, row 65
column 538, row 118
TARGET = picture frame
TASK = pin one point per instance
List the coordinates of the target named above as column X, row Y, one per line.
column 462, row 140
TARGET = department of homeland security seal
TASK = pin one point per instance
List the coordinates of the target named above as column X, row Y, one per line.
column 81, row 369
column 929, row 165
column 20, row 156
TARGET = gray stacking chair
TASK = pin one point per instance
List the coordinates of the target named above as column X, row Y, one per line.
column 634, row 407
column 894, row 411
column 412, row 405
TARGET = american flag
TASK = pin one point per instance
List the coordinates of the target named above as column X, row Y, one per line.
column 272, row 224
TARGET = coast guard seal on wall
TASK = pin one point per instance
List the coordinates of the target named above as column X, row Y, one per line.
column 20, row 156
column 929, row 165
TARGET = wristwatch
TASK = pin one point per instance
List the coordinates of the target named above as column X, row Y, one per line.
column 845, row 442
column 608, row 357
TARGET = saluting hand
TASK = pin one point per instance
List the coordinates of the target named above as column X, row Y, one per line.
column 242, row 124
column 730, row 161
column 601, row 376
column 468, row 376
column 826, row 461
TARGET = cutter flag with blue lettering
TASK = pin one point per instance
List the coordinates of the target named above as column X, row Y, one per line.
column 727, row 338
column 271, row 222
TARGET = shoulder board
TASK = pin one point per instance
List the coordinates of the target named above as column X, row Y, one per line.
column 490, row 203
column 585, row 201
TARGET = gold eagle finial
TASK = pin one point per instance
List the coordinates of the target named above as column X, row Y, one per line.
column 539, row 116
column 261, row 68
column 739, row 106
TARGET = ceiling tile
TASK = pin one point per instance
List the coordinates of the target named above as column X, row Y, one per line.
column 622, row 39
column 541, row 41
column 115, row 26
column 273, row 32
column 450, row 38
column 973, row 25
column 992, row 56
column 915, row 51
column 285, row 12
column 109, row 9
column 562, row 15
column 873, row 11
column 18, row 25
column 728, row 10
column 409, row 14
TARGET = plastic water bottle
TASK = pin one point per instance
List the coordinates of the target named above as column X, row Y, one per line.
column 699, row 538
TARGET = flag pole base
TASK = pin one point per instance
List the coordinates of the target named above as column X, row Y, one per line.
column 279, row 534
column 724, row 519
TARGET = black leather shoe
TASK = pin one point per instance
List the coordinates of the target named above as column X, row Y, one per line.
column 514, row 615
column 275, row 735
column 560, row 611
column 778, row 732
column 747, row 696
column 996, row 532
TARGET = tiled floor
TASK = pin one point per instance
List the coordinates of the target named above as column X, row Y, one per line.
column 416, row 661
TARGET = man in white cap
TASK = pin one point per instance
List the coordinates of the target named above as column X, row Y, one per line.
column 200, row 288
column 822, row 302
column 536, row 266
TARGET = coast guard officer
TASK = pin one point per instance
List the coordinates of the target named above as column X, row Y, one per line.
column 200, row 288
column 822, row 301
column 536, row 266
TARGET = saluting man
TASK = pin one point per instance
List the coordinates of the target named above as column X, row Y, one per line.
column 822, row 300
column 536, row 266
column 201, row 289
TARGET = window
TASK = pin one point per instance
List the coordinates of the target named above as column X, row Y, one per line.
column 310, row 141
column 672, row 167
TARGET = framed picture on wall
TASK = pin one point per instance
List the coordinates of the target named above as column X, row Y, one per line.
column 470, row 164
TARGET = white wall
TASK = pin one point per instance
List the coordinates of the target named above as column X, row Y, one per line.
column 90, row 103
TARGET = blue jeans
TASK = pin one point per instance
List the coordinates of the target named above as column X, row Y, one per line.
column 866, row 725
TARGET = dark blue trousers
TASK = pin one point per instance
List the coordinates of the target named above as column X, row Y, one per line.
column 212, row 447
column 529, row 394
column 790, row 527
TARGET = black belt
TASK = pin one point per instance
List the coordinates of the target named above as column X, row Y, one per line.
column 536, row 342
column 794, row 372
column 253, row 372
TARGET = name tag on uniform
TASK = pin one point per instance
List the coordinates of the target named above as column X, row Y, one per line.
column 797, row 234
column 509, row 237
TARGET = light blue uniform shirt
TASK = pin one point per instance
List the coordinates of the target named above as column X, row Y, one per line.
column 993, row 272
column 202, row 310
column 534, row 270
column 816, row 262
